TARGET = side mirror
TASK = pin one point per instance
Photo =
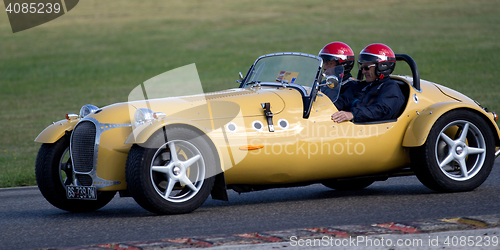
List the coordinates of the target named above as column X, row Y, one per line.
column 332, row 81
column 240, row 80
column 332, row 78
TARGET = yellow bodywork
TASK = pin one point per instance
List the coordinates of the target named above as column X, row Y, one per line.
column 55, row 131
column 299, row 150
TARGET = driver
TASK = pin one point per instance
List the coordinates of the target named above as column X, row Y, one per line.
column 378, row 97
column 335, row 54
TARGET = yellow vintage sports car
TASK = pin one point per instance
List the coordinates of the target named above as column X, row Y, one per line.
column 275, row 130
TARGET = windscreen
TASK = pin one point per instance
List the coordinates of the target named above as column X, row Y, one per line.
column 289, row 69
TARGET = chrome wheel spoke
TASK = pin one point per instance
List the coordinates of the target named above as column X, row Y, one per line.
column 465, row 130
column 163, row 169
column 446, row 160
column 447, row 139
column 184, row 180
column 463, row 168
column 472, row 151
column 170, row 187
column 191, row 161
column 173, row 151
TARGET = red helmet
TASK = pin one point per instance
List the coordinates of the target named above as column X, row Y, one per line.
column 382, row 56
column 340, row 52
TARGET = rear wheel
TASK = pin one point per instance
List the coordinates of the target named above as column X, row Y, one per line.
column 53, row 170
column 458, row 154
column 174, row 176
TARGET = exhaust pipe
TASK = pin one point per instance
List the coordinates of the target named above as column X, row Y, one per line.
column 497, row 153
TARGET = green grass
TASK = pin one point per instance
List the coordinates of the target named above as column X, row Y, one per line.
column 98, row 52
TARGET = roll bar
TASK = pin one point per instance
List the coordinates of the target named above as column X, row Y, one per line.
column 413, row 67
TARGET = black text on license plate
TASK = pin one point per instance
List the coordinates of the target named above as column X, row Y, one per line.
column 81, row 193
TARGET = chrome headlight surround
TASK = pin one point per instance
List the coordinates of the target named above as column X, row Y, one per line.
column 87, row 110
column 143, row 115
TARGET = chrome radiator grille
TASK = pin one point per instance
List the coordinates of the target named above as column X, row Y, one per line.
column 82, row 146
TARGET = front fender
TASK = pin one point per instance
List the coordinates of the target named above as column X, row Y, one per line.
column 55, row 131
column 142, row 133
column 419, row 128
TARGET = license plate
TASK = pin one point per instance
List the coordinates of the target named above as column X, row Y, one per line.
column 81, row 193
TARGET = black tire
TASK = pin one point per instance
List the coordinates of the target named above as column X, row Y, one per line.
column 348, row 185
column 171, row 187
column 458, row 154
column 50, row 171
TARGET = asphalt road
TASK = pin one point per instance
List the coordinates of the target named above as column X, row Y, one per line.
column 27, row 221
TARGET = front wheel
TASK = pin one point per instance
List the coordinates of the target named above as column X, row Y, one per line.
column 171, row 176
column 458, row 154
column 53, row 171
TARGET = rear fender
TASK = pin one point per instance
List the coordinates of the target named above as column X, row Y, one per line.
column 420, row 126
column 55, row 131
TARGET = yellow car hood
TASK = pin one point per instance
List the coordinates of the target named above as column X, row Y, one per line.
column 215, row 105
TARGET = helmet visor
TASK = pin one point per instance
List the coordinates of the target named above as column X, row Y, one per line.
column 367, row 58
column 327, row 58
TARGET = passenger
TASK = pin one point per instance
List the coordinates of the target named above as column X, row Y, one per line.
column 376, row 98
column 335, row 54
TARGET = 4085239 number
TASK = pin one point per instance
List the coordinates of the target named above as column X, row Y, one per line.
column 33, row 8
column 471, row 241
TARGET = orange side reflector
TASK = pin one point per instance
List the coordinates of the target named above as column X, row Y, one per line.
column 251, row 147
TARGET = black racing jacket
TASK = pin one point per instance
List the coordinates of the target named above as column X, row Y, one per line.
column 376, row 101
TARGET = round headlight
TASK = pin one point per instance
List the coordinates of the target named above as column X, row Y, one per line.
column 143, row 115
column 87, row 110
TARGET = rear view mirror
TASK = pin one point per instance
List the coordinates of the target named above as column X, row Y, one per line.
column 240, row 79
column 332, row 81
